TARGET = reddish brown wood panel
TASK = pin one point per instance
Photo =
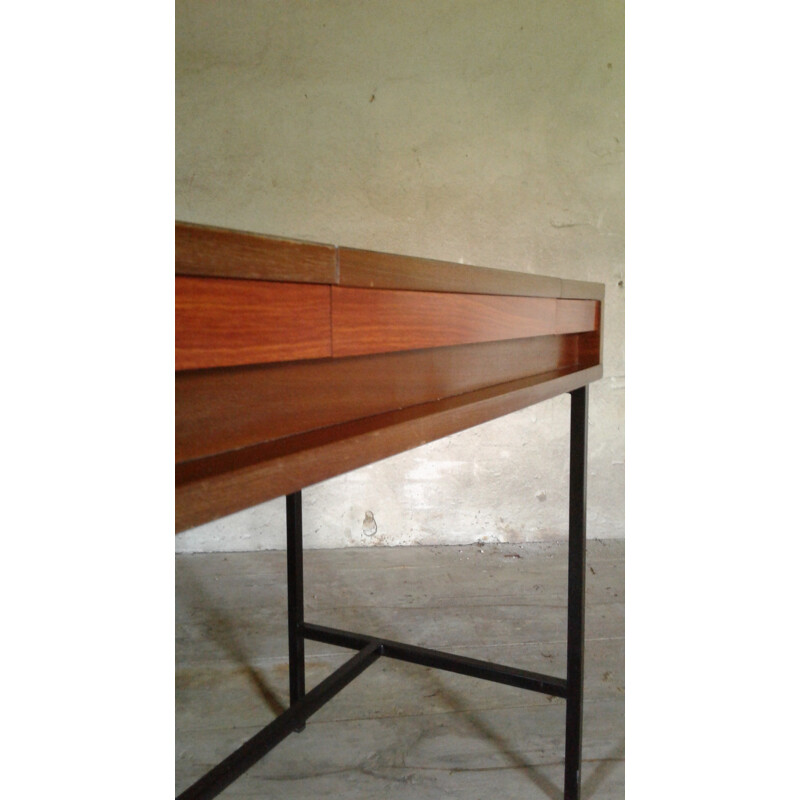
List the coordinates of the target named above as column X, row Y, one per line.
column 210, row 488
column 221, row 252
column 216, row 252
column 366, row 268
column 228, row 409
column 577, row 315
column 221, row 322
column 285, row 378
column 378, row 321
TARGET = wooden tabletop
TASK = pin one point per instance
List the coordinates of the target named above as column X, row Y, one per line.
column 298, row 361
column 221, row 253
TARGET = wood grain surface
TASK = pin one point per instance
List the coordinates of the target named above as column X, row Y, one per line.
column 220, row 252
column 379, row 321
column 296, row 362
column 206, row 489
column 221, row 322
column 365, row 268
column 226, row 409
column 216, row 252
column 577, row 315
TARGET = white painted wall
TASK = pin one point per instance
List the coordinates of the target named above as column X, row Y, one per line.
column 489, row 133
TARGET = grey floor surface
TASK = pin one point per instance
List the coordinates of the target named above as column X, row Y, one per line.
column 400, row 730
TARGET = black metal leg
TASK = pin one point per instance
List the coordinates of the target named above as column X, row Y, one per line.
column 576, row 591
column 294, row 565
column 255, row 748
column 302, row 705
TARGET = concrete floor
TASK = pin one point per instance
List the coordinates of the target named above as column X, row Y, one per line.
column 399, row 730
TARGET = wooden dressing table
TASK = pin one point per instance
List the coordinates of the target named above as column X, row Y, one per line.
column 296, row 362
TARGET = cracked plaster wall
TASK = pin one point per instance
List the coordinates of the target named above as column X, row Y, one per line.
column 485, row 133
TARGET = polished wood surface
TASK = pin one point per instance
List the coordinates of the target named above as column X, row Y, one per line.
column 388, row 271
column 226, row 409
column 224, row 323
column 206, row 489
column 216, row 252
column 573, row 316
column 221, row 322
column 380, row 321
column 296, row 363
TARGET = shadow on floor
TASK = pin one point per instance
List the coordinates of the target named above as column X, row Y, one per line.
column 222, row 629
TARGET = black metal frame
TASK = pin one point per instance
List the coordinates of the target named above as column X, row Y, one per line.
column 303, row 704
